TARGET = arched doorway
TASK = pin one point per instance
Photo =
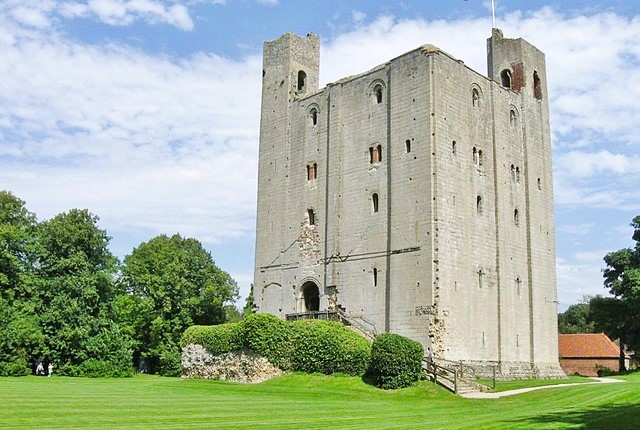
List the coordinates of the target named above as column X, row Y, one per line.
column 310, row 297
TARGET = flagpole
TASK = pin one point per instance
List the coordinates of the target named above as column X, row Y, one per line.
column 493, row 12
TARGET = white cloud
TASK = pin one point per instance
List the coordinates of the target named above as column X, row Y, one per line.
column 145, row 142
column 576, row 229
column 358, row 16
column 41, row 13
column 582, row 164
column 577, row 279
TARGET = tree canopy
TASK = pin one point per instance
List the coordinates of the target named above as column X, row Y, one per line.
column 66, row 299
column 576, row 319
column 620, row 315
column 172, row 283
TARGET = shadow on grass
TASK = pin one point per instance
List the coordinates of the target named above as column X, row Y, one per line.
column 619, row 417
column 369, row 379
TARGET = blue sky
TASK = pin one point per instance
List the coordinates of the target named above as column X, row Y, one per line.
column 146, row 112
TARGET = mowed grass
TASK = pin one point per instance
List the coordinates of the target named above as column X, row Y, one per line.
column 527, row 383
column 299, row 401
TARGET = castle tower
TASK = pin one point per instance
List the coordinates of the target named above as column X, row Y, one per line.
column 290, row 72
column 520, row 66
column 414, row 198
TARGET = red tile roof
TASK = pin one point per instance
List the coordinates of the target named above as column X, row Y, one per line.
column 586, row 345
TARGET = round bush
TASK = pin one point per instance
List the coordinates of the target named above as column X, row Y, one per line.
column 396, row 361
column 16, row 367
column 94, row 368
column 216, row 339
column 328, row 347
column 268, row 336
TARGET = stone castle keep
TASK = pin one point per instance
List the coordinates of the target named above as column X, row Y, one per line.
column 414, row 198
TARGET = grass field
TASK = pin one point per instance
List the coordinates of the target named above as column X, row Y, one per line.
column 301, row 401
column 526, row 383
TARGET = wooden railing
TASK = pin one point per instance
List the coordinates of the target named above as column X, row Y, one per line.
column 313, row 315
column 365, row 327
column 445, row 376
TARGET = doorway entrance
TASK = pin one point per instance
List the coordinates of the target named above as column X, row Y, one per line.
column 310, row 297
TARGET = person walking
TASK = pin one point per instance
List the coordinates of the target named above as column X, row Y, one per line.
column 50, row 369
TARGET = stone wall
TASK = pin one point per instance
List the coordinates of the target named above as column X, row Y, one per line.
column 431, row 197
column 240, row 366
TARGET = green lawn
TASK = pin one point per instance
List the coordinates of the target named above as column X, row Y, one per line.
column 304, row 402
column 526, row 383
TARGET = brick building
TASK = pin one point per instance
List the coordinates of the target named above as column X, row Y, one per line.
column 584, row 354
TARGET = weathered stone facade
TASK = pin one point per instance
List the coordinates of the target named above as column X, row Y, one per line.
column 416, row 197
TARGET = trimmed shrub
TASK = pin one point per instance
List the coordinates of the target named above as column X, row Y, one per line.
column 270, row 337
column 396, row 361
column 17, row 367
column 94, row 368
column 328, row 347
column 216, row 339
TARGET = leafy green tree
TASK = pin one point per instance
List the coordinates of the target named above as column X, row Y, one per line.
column 576, row 319
column 20, row 336
column 16, row 232
column 172, row 283
column 76, row 290
column 232, row 314
column 620, row 316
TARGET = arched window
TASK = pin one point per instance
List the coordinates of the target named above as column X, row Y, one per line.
column 505, row 76
column 516, row 217
column 377, row 93
column 407, row 145
column 375, row 277
column 302, row 81
column 374, row 202
column 475, row 97
column 453, row 147
column 312, row 171
column 313, row 115
column 539, row 184
column 479, row 205
column 537, row 86
column 513, row 118
column 375, row 154
column 311, row 217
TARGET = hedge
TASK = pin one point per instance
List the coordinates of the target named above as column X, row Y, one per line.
column 269, row 337
column 396, row 361
column 310, row 346
column 217, row 339
column 328, row 347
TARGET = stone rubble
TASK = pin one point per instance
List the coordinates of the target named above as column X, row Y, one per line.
column 239, row 366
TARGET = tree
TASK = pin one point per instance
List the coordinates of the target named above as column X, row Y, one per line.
column 250, row 305
column 75, row 290
column 621, row 314
column 576, row 319
column 172, row 283
column 20, row 335
column 16, row 231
